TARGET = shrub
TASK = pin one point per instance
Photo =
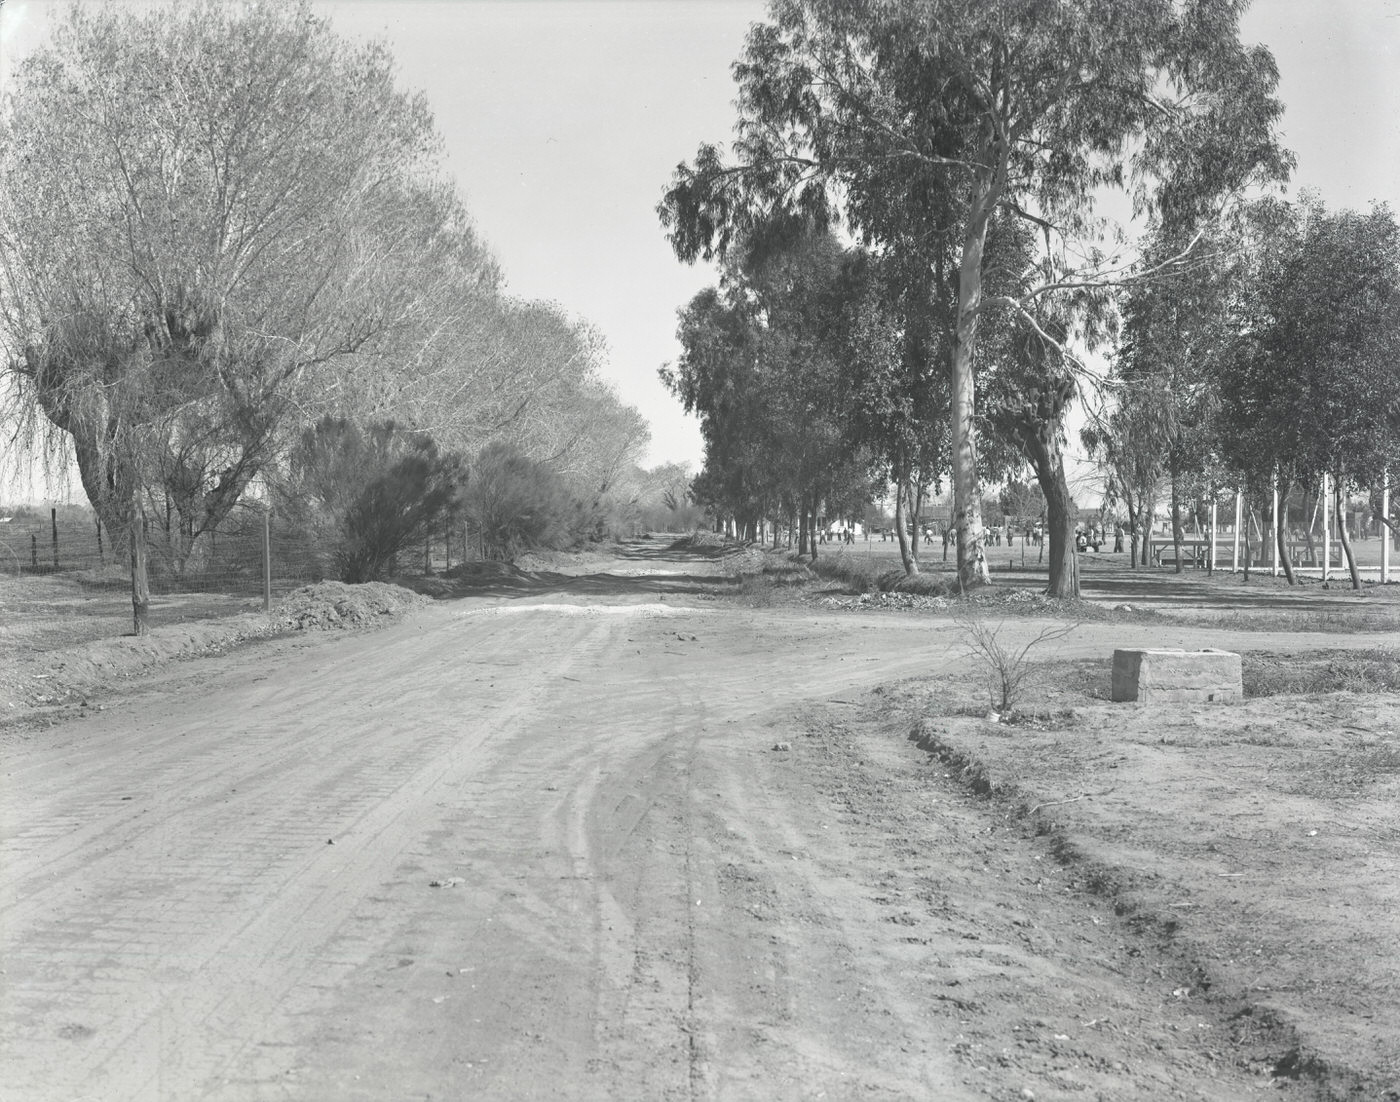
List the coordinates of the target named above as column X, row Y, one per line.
column 1004, row 665
column 368, row 495
column 513, row 504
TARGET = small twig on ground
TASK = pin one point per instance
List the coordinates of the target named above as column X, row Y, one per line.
column 1071, row 800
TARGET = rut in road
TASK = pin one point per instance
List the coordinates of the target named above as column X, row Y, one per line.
column 227, row 893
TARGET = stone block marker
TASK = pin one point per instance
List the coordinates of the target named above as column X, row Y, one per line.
column 1177, row 676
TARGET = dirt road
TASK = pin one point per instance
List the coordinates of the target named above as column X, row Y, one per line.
column 545, row 848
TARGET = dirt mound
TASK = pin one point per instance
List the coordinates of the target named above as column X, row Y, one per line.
column 701, row 542
column 75, row 673
column 338, row 605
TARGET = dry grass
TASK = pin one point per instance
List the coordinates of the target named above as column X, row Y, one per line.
column 1375, row 670
column 54, row 611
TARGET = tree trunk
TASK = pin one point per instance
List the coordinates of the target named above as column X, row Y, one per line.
column 1312, row 515
column 1045, row 456
column 1176, row 519
column 140, row 582
column 812, row 526
column 1146, row 506
column 1132, row 534
column 1280, row 540
column 967, row 496
column 906, row 554
column 1342, row 533
column 1248, row 525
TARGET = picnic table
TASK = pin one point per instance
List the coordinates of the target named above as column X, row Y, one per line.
column 1195, row 551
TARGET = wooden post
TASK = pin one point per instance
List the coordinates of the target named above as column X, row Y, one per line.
column 33, row 550
column 53, row 520
column 1273, row 537
column 1326, row 528
column 1235, row 551
column 267, row 559
column 140, row 582
column 1386, row 534
column 1211, row 568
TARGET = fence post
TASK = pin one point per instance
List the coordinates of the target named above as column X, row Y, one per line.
column 267, row 558
column 1275, row 535
column 33, row 550
column 53, row 520
column 1326, row 528
column 1211, row 568
column 1235, row 548
column 1386, row 533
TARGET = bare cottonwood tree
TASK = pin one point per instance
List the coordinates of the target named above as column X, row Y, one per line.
column 205, row 211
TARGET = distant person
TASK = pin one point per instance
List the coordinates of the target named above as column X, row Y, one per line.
column 1117, row 537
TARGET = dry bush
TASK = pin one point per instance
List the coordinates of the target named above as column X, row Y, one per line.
column 1005, row 666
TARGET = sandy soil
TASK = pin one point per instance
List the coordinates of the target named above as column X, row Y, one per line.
column 614, row 837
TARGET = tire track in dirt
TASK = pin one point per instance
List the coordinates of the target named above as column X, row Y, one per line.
column 642, row 899
column 174, row 937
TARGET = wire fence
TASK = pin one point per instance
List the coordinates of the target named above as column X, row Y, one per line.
column 69, row 541
column 66, row 580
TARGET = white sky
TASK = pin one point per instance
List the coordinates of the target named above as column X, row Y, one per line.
column 564, row 119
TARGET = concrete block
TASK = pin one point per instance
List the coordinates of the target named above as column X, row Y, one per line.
column 1177, row 676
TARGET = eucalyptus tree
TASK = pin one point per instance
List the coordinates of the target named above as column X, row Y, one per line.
column 1177, row 327
column 1314, row 387
column 898, row 393
column 1032, row 391
column 205, row 211
column 717, row 378
column 763, row 364
column 920, row 122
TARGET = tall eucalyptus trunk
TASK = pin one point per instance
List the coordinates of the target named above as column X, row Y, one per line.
column 907, row 554
column 967, row 494
column 1342, row 532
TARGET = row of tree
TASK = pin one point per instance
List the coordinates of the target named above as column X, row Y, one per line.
column 966, row 145
column 219, row 223
column 914, row 266
column 1270, row 361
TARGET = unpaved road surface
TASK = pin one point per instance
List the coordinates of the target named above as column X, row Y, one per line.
column 545, row 848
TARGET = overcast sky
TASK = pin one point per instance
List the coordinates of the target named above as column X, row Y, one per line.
column 564, row 119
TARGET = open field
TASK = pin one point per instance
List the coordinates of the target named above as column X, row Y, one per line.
column 637, row 830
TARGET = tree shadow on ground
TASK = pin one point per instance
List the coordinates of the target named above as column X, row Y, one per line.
column 601, row 584
column 1184, row 590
